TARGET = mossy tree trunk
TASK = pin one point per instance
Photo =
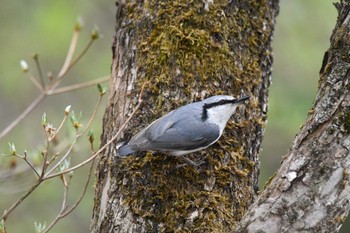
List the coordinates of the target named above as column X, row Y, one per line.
column 183, row 51
column 311, row 190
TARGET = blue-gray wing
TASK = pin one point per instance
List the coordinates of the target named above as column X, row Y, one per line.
column 174, row 132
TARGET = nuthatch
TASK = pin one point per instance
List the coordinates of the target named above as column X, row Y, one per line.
column 184, row 130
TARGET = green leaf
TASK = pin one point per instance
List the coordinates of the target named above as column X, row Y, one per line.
column 64, row 165
column 101, row 89
column 2, row 226
column 39, row 228
column 12, row 148
column 95, row 34
column 44, row 119
column 91, row 136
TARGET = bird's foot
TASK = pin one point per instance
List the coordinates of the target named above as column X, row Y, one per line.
column 190, row 162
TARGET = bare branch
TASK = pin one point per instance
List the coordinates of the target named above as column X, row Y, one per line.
column 46, row 163
column 29, row 163
column 104, row 146
column 76, row 60
column 64, row 212
column 93, row 115
column 58, row 129
column 63, row 207
column 35, row 82
column 19, row 201
column 77, row 136
column 79, row 86
column 41, row 76
column 22, row 115
column 68, row 64
column 70, row 53
column 65, row 155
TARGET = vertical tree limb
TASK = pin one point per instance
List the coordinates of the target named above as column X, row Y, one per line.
column 311, row 191
column 185, row 51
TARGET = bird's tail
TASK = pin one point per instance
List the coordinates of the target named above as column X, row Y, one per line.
column 124, row 149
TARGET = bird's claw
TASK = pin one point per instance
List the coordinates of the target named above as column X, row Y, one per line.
column 190, row 162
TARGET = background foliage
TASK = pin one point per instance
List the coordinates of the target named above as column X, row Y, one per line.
column 45, row 27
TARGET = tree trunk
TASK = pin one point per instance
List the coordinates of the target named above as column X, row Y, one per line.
column 311, row 192
column 183, row 51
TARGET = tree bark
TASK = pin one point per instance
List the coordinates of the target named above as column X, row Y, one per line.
column 183, row 51
column 311, row 192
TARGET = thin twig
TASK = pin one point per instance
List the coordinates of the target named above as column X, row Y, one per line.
column 103, row 147
column 87, row 47
column 77, row 136
column 68, row 64
column 43, row 94
column 65, row 155
column 36, row 83
column 58, row 129
column 54, row 157
column 83, row 192
column 93, row 115
column 45, row 154
column 78, row 86
column 19, row 201
column 70, row 53
column 12, row 187
column 46, row 177
column 29, row 163
column 64, row 205
column 65, row 212
column 7, row 174
column 65, row 193
column 53, row 136
column 41, row 76
column 30, row 108
column 32, row 167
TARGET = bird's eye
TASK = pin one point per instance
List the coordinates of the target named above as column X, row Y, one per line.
column 222, row 102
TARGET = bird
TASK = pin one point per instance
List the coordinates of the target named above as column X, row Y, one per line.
column 187, row 129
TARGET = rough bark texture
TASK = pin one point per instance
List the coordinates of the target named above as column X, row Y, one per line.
column 185, row 51
column 311, row 191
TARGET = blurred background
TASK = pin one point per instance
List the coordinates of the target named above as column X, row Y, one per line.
column 45, row 27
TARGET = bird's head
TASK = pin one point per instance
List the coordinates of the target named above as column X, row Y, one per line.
column 218, row 109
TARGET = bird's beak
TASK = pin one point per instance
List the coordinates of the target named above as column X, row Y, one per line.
column 240, row 100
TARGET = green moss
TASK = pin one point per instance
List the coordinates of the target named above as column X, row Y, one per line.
column 187, row 48
column 269, row 180
column 346, row 121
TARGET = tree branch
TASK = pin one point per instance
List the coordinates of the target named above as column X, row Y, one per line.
column 105, row 145
column 79, row 85
column 8, row 211
column 311, row 191
column 50, row 88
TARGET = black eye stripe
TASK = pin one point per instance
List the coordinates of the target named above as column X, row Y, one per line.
column 221, row 102
column 207, row 106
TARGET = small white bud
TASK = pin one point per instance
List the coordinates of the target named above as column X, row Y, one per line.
column 24, row 66
column 67, row 109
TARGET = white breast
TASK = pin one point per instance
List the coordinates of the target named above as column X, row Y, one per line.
column 220, row 115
